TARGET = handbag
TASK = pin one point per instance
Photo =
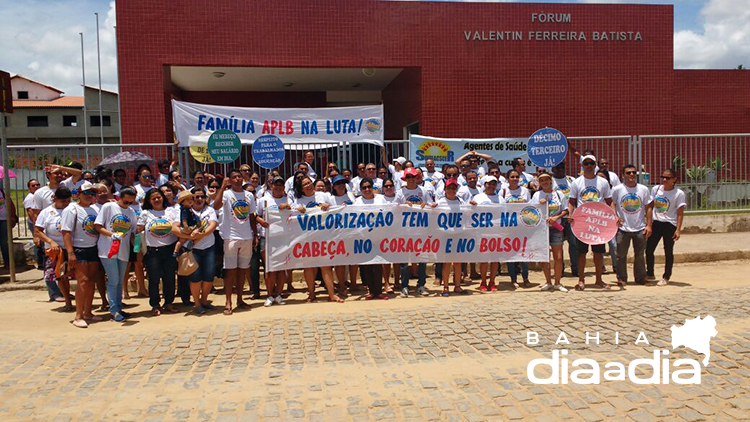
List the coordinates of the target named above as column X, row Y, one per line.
column 186, row 264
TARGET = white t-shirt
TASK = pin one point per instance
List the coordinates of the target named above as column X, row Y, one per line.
column 289, row 185
column 630, row 204
column 516, row 196
column 389, row 199
column 556, row 201
column 313, row 201
column 416, row 196
column 468, row 193
column 268, row 202
column 666, row 203
column 141, row 193
column 162, row 179
column 376, row 200
column 204, row 217
column 50, row 220
column 453, row 204
column 311, row 172
column 158, row 226
column 345, row 199
column 116, row 219
column 590, row 190
column 563, row 185
column 237, row 209
column 614, row 179
column 527, row 179
column 434, row 178
column 79, row 221
column 28, row 201
column 484, row 199
column 43, row 197
column 377, row 187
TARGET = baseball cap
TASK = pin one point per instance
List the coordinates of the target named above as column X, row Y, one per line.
column 488, row 179
column 338, row 179
column 86, row 186
column 400, row 160
column 411, row 171
column 277, row 179
column 451, row 182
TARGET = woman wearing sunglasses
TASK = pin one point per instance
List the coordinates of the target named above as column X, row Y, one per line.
column 669, row 208
column 389, row 196
column 116, row 222
column 80, row 238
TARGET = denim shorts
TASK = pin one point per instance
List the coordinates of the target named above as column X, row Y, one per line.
column 555, row 237
column 84, row 255
column 206, row 259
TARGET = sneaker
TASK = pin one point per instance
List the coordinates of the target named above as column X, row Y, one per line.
column 650, row 278
column 269, row 301
column 546, row 287
column 445, row 293
column 279, row 300
column 561, row 288
column 125, row 314
column 422, row 291
column 80, row 323
column 483, row 287
column 208, row 307
column 405, row 292
column 119, row 317
column 199, row 310
column 662, row 282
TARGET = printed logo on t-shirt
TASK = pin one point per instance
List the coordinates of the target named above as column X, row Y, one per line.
column 414, row 200
column 375, row 189
column 58, row 224
column 241, row 210
column 631, row 203
column 88, row 225
column 120, row 224
column 564, row 189
column 661, row 204
column 553, row 206
column 590, row 194
column 515, row 199
column 347, row 202
column 312, row 204
column 160, row 228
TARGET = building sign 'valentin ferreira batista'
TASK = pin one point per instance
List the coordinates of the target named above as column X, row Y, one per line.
column 551, row 18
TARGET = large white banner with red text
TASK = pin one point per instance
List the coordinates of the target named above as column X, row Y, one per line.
column 381, row 234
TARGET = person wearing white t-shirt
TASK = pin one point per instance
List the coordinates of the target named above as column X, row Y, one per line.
column 470, row 190
column 146, row 184
column 238, row 229
column 589, row 188
column 668, row 211
column 74, row 173
column 432, row 175
column 516, row 193
column 116, row 222
column 80, row 239
column 340, row 196
column 306, row 200
column 274, row 200
column 556, row 211
column 47, row 229
column 614, row 180
column 309, row 158
column 289, row 184
column 489, row 197
column 28, row 205
column 371, row 274
column 450, row 201
column 156, row 221
column 527, row 180
column 388, row 197
column 632, row 203
column 563, row 182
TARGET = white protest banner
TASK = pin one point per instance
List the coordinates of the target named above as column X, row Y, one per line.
column 448, row 150
column 382, row 234
column 194, row 123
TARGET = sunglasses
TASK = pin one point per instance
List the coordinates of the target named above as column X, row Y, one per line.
column 411, row 177
column 388, row 186
column 213, row 187
column 89, row 192
column 245, row 171
column 366, row 187
column 631, row 172
column 589, row 163
column 147, row 176
column 199, row 197
column 464, row 165
column 34, row 186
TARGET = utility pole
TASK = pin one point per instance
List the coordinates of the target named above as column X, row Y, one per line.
column 85, row 115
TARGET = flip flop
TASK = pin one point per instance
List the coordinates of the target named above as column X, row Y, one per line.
column 227, row 311
column 445, row 293
column 338, row 299
column 311, row 298
column 580, row 287
column 155, row 312
column 602, row 286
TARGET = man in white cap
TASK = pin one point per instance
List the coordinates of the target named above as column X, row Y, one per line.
column 589, row 188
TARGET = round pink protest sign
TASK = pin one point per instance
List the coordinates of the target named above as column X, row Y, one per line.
column 594, row 223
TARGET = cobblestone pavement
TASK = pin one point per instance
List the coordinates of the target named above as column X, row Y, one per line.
column 462, row 358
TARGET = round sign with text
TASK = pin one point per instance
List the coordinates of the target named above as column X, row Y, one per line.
column 224, row 146
column 547, row 147
column 594, row 223
column 268, row 151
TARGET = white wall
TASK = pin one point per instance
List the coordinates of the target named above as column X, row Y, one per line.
column 36, row 91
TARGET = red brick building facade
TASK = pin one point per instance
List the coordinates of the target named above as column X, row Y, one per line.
column 552, row 66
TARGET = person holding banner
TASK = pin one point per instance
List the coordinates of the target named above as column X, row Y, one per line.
column 668, row 208
column 452, row 201
column 516, row 193
column 556, row 211
column 632, row 204
column 238, row 229
column 389, row 196
column 290, row 182
column 488, row 197
column 307, row 198
column 372, row 274
column 589, row 188
column 528, row 181
column 341, row 197
column 275, row 199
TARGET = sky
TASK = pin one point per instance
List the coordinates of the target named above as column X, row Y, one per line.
column 40, row 38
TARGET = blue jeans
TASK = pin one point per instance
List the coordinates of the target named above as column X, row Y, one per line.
column 514, row 272
column 571, row 238
column 4, row 242
column 406, row 272
column 206, row 259
column 613, row 252
column 115, row 270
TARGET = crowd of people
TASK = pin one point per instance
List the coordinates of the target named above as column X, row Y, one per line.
column 99, row 227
